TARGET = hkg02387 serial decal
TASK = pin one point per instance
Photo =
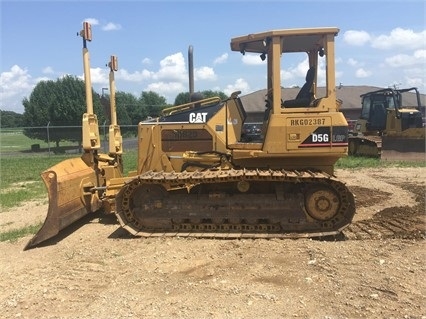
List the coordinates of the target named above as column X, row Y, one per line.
column 313, row 121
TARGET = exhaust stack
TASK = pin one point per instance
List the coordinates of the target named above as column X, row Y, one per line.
column 191, row 70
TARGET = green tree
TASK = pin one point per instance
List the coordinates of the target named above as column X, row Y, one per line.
column 210, row 93
column 129, row 107
column 152, row 104
column 183, row 97
column 121, row 103
column 58, row 103
column 11, row 119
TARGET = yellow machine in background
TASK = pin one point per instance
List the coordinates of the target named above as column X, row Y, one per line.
column 390, row 126
column 197, row 177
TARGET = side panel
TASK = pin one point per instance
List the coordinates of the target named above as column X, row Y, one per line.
column 307, row 133
column 149, row 153
column 235, row 118
column 162, row 145
column 303, row 132
column 182, row 140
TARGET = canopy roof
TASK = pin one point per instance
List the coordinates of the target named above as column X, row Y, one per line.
column 294, row 40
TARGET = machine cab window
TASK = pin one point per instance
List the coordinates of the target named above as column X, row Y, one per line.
column 365, row 112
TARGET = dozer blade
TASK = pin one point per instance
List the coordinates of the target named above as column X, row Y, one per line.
column 395, row 148
column 65, row 183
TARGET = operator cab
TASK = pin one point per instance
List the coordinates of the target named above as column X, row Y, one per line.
column 373, row 110
column 403, row 104
column 286, row 52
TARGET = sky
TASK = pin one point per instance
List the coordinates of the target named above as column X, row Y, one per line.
column 380, row 43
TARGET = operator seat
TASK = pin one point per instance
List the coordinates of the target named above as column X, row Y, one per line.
column 305, row 96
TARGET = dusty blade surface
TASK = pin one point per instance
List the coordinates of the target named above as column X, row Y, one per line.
column 64, row 183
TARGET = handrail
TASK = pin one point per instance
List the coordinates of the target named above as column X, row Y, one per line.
column 190, row 105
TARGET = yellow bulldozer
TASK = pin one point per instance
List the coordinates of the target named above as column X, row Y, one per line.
column 197, row 177
column 390, row 126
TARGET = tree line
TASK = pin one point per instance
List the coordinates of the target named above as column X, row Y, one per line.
column 10, row 119
column 62, row 103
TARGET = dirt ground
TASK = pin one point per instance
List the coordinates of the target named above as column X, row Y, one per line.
column 376, row 270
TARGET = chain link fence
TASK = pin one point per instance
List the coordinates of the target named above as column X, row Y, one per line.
column 14, row 142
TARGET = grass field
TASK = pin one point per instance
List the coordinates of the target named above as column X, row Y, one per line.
column 12, row 141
